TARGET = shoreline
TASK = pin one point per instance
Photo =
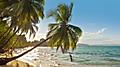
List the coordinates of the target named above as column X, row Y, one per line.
column 44, row 57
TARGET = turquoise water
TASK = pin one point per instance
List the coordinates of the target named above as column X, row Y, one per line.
column 98, row 55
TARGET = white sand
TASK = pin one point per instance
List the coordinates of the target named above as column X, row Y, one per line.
column 42, row 57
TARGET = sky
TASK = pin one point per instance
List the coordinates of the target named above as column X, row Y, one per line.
column 99, row 20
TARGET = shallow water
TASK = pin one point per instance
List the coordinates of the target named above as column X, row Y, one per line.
column 96, row 55
column 84, row 55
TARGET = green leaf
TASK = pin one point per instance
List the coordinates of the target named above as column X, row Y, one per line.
column 77, row 30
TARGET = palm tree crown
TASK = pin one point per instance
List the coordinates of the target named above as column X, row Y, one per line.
column 63, row 34
column 21, row 16
column 24, row 14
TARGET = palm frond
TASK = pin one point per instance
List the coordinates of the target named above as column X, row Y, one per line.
column 77, row 30
column 66, row 36
column 73, row 38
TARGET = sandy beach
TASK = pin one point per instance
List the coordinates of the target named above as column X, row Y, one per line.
column 46, row 57
column 42, row 57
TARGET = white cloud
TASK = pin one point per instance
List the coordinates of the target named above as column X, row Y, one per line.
column 94, row 37
column 96, row 33
column 99, row 37
column 102, row 30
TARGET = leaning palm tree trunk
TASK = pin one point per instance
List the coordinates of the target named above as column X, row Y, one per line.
column 71, row 59
column 4, row 61
column 62, row 49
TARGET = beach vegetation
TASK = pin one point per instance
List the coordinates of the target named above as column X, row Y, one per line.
column 64, row 35
column 21, row 16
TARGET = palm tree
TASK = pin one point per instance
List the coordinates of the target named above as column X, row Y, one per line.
column 20, row 15
column 64, row 35
column 23, row 15
column 19, row 19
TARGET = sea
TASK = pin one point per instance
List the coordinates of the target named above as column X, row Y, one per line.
column 83, row 55
column 95, row 55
